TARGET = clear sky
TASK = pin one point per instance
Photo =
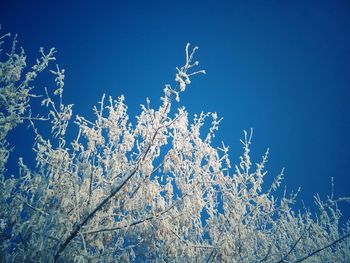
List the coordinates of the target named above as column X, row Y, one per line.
column 280, row 68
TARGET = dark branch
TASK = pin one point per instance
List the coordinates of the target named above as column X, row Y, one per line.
column 113, row 192
column 137, row 222
column 323, row 248
column 294, row 245
column 267, row 255
column 75, row 231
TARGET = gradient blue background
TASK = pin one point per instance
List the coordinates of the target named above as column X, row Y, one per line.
column 280, row 68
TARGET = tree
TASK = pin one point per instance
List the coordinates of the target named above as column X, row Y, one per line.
column 156, row 190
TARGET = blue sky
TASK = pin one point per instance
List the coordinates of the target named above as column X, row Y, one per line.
column 280, row 68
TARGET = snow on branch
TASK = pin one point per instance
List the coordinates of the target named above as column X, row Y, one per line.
column 157, row 189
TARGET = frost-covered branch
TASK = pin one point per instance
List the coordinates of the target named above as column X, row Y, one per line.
column 323, row 248
column 157, row 189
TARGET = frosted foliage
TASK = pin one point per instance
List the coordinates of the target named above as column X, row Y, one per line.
column 154, row 190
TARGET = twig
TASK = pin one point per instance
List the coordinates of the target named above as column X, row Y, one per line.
column 323, row 248
column 137, row 222
column 91, row 214
column 294, row 245
column 190, row 244
column 32, row 207
column 267, row 255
